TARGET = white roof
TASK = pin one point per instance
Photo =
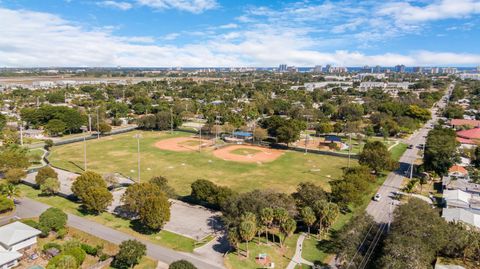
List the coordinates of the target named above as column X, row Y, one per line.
column 458, row 195
column 463, row 215
column 9, row 256
column 15, row 232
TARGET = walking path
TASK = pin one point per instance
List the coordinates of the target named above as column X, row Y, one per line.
column 297, row 258
column 29, row 208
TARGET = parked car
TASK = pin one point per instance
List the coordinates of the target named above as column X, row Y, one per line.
column 377, row 197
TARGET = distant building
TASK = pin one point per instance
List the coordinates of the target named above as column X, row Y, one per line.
column 418, row 69
column 400, row 68
column 282, row 68
column 478, row 69
column 317, row 69
column 367, row 69
column 435, row 70
column 336, row 69
column 377, row 69
column 474, row 76
column 449, row 70
column 292, row 69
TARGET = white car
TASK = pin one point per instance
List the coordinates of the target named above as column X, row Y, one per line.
column 377, row 197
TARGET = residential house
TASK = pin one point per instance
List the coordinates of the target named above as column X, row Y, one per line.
column 461, row 199
column 16, row 239
column 461, row 215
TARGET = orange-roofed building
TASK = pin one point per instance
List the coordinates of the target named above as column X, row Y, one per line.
column 462, row 122
column 469, row 137
column 457, row 171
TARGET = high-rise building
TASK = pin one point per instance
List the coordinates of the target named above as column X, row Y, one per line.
column 282, row 68
column 478, row 69
column 377, row 69
column 418, row 69
column 317, row 69
column 367, row 69
column 435, row 70
column 449, row 70
column 400, row 68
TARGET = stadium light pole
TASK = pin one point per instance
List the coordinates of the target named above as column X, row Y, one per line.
column 84, row 130
column 98, row 125
column 138, row 136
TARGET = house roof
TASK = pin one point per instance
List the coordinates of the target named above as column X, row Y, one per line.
column 460, row 122
column 9, row 256
column 457, row 195
column 470, row 134
column 458, row 169
column 463, row 215
column 466, row 141
column 15, row 232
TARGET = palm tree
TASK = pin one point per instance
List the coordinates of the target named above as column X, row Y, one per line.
column 288, row 228
column 308, row 217
column 248, row 230
column 266, row 217
column 10, row 190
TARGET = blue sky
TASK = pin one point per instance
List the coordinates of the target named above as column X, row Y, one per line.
column 165, row 33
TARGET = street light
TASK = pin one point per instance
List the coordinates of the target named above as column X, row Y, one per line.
column 84, row 129
column 138, row 137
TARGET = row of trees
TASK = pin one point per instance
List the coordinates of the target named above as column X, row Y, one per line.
column 418, row 235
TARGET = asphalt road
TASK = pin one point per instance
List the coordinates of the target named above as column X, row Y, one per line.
column 382, row 210
column 29, row 208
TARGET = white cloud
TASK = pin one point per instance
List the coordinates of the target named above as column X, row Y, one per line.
column 228, row 26
column 193, row 6
column 171, row 36
column 405, row 12
column 42, row 39
column 115, row 4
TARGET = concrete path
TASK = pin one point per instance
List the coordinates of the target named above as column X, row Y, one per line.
column 29, row 208
column 297, row 258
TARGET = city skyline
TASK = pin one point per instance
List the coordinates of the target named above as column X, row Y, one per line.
column 220, row 33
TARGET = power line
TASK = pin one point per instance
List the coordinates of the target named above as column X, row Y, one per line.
column 372, row 246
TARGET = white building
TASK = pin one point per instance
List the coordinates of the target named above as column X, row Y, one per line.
column 470, row 76
column 15, row 238
column 461, row 215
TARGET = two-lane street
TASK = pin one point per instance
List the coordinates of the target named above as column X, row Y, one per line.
column 382, row 210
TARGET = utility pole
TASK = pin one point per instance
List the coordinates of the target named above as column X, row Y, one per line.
column 349, row 148
column 200, row 144
column 411, row 169
column 21, row 133
column 171, row 120
column 138, row 136
column 84, row 129
column 89, row 123
column 98, row 125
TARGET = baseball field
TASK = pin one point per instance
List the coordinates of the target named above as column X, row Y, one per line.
column 183, row 159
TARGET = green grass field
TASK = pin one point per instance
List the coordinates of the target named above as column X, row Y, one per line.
column 119, row 154
column 164, row 238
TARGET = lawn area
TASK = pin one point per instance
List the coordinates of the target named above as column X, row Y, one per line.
column 398, row 151
column 35, row 154
column 280, row 256
column 310, row 250
column 164, row 238
column 119, row 154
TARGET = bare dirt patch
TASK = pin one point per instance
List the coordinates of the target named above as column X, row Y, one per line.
column 258, row 154
column 183, row 144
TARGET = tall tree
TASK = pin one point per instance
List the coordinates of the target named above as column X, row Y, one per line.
column 308, row 217
column 376, row 156
column 247, row 231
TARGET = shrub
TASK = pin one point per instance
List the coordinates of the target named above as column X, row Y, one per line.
column 182, row 264
column 62, row 262
column 73, row 243
column 89, row 249
column 54, row 219
column 44, row 173
column 130, row 253
column 50, row 186
column 48, row 144
column 50, row 245
column 6, row 204
column 44, row 229
column 31, row 223
column 14, row 175
column 78, row 253
column 61, row 233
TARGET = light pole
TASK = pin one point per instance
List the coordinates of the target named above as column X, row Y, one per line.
column 21, row 133
column 171, row 120
column 138, row 136
column 84, row 129
column 98, row 125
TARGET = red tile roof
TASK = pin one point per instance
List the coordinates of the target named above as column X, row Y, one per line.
column 460, row 122
column 469, row 134
column 458, row 169
column 466, row 141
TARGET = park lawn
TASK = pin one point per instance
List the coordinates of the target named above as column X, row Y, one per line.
column 36, row 154
column 311, row 251
column 245, row 151
column 164, row 238
column 280, row 256
column 118, row 153
column 398, row 150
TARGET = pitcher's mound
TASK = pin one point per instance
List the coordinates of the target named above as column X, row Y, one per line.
column 183, row 144
column 247, row 153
